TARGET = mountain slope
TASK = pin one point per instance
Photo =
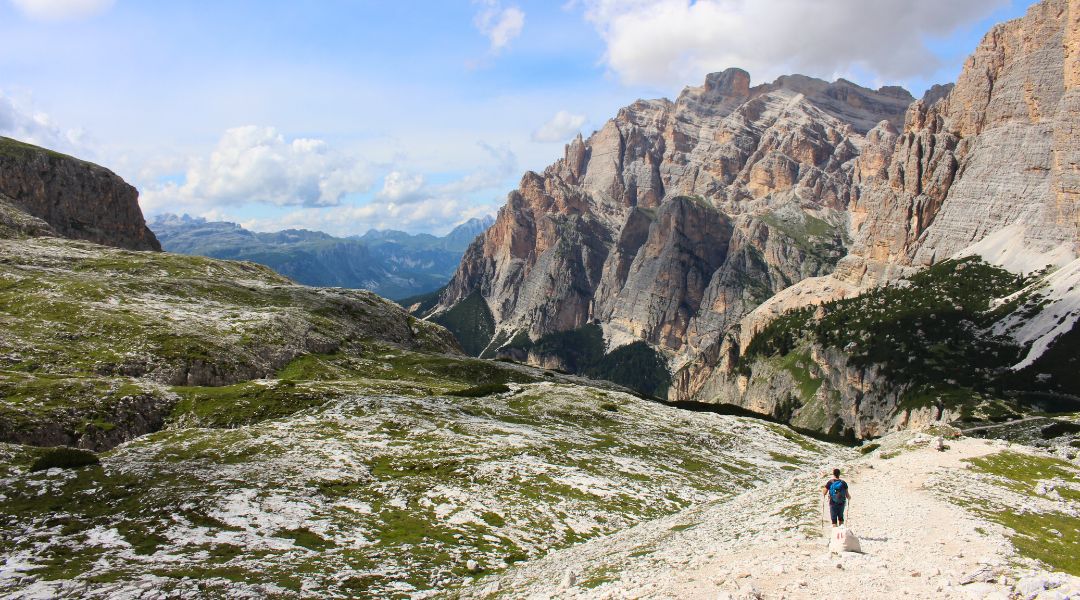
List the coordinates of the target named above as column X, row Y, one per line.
column 390, row 263
column 241, row 435
column 690, row 225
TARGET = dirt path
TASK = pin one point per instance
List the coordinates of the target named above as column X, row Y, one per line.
column 914, row 543
column 765, row 544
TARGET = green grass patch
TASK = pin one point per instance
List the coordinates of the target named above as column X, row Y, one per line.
column 479, row 391
column 306, row 538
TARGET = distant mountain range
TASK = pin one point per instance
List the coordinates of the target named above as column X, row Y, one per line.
column 393, row 264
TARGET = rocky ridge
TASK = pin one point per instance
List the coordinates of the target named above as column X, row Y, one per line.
column 692, row 224
column 78, row 199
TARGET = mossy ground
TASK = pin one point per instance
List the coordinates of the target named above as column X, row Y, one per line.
column 389, row 493
column 1036, row 497
column 87, row 330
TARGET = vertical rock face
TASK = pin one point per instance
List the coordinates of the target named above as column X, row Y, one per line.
column 77, row 199
column 1001, row 149
column 997, row 152
column 675, row 218
column 690, row 224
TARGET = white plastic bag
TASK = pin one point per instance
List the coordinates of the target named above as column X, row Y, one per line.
column 843, row 540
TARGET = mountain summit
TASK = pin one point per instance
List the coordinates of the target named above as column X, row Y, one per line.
column 691, row 225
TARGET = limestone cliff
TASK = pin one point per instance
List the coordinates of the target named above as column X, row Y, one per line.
column 77, row 199
column 693, row 224
column 676, row 218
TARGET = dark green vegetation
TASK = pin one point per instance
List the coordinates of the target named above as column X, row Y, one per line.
column 391, row 263
column 421, row 305
column 636, row 366
column 471, row 323
column 928, row 337
column 63, row 457
column 479, row 391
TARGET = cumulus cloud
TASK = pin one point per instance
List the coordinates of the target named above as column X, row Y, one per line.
column 35, row 127
column 316, row 185
column 561, row 127
column 671, row 42
column 61, row 10
column 258, row 165
column 402, row 188
column 499, row 24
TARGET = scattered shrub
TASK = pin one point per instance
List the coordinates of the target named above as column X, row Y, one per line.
column 868, row 448
column 479, row 391
column 63, row 457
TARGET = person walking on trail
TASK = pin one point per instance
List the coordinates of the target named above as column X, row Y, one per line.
column 837, row 491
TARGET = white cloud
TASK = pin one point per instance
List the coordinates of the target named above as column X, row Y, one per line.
column 257, row 165
column 560, row 128
column 672, row 42
column 500, row 25
column 401, row 188
column 61, row 10
column 36, row 127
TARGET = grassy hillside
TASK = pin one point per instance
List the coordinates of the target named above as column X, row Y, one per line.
column 636, row 366
column 95, row 342
column 289, row 441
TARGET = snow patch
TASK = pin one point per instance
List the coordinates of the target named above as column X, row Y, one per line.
column 1058, row 296
column 1006, row 248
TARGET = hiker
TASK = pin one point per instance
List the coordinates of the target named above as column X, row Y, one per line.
column 837, row 491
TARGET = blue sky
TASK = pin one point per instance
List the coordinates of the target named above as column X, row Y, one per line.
column 345, row 115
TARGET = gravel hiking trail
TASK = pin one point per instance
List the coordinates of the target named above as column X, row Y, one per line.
column 772, row 542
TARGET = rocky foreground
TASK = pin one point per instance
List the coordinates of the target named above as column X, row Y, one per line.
column 379, row 492
column 972, row 521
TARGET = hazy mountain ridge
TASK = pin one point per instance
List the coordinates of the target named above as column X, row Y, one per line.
column 394, row 264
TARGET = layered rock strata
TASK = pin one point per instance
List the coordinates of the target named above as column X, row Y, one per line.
column 78, row 199
column 691, row 224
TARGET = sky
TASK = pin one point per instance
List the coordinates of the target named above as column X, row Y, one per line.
column 347, row 115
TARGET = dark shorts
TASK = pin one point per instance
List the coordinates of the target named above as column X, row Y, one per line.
column 836, row 511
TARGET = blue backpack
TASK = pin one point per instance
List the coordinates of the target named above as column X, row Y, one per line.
column 836, row 491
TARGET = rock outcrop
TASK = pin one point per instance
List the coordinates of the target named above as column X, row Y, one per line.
column 691, row 224
column 676, row 218
column 1000, row 149
column 79, row 200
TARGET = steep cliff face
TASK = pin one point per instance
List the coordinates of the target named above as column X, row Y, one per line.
column 1000, row 150
column 79, row 200
column 694, row 224
column 675, row 218
column 989, row 168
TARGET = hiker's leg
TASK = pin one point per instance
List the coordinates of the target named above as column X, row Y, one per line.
column 840, row 512
column 832, row 513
